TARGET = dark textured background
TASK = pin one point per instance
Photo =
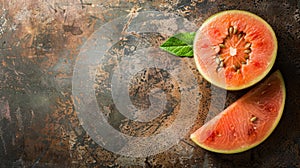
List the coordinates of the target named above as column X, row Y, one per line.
column 39, row 43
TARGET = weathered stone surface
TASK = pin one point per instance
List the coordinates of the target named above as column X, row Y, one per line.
column 39, row 45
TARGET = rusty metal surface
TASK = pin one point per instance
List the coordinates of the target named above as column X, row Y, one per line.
column 40, row 43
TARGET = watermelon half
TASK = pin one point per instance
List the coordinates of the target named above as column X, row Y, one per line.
column 235, row 49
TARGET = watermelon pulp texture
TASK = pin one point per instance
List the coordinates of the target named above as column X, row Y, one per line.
column 235, row 49
column 247, row 122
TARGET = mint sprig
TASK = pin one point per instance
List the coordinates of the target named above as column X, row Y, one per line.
column 180, row 44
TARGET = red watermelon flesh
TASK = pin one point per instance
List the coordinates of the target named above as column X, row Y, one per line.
column 247, row 122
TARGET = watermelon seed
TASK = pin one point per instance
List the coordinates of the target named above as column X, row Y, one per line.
column 240, row 35
column 221, row 58
column 235, row 30
column 253, row 119
column 247, row 45
column 238, row 71
column 246, row 56
column 217, row 60
column 247, row 51
column 236, row 67
column 230, row 30
column 221, row 45
column 221, row 64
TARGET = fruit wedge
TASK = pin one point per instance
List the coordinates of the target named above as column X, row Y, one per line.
column 248, row 121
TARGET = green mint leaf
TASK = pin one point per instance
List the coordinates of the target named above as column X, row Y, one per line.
column 180, row 44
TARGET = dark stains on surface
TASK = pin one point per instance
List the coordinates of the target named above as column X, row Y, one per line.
column 83, row 4
column 73, row 29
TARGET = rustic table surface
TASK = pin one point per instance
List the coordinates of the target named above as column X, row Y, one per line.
column 62, row 70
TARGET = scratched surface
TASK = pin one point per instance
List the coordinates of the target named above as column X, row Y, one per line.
column 39, row 45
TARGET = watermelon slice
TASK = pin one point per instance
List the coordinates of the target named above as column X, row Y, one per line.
column 247, row 122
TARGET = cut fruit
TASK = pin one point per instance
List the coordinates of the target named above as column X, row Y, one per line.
column 235, row 49
column 247, row 122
